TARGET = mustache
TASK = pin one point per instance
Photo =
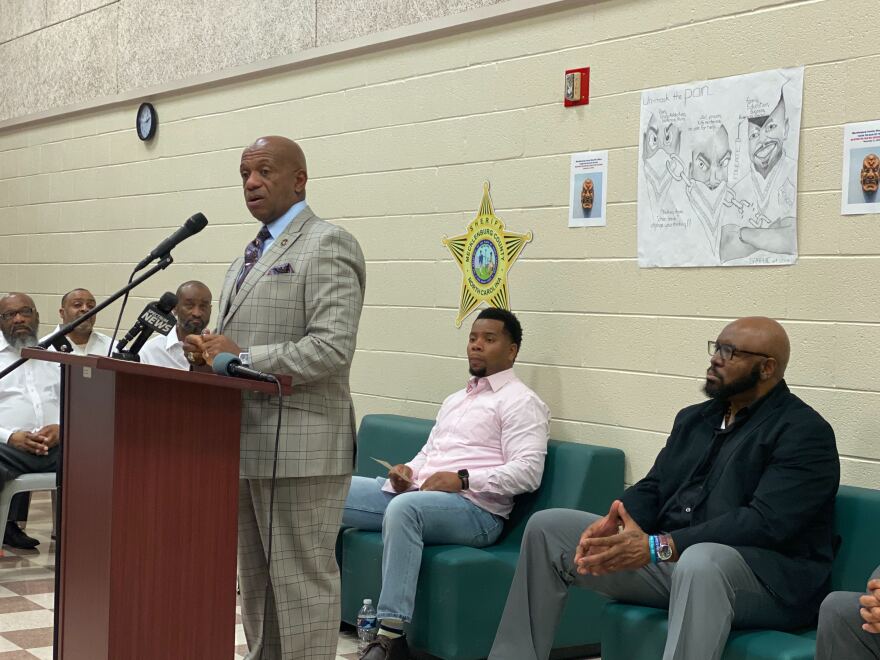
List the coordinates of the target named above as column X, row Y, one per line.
column 194, row 326
column 23, row 326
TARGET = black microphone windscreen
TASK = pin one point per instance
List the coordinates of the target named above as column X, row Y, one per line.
column 167, row 302
column 197, row 222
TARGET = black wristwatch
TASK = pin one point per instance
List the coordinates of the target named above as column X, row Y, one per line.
column 465, row 476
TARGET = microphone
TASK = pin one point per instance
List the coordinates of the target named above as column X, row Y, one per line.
column 193, row 225
column 156, row 317
column 226, row 364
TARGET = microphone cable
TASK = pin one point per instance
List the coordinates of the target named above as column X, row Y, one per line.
column 271, row 519
column 119, row 318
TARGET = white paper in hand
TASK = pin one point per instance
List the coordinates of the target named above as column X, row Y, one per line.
column 384, row 464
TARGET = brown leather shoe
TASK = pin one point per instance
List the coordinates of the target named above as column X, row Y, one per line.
column 385, row 648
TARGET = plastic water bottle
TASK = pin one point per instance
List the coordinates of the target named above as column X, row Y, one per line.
column 367, row 625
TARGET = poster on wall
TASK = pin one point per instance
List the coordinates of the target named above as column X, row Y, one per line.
column 861, row 168
column 587, row 190
column 717, row 173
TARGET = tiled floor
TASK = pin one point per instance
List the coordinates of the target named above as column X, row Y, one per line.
column 27, row 584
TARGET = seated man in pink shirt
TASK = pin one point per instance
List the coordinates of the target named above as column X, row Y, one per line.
column 488, row 444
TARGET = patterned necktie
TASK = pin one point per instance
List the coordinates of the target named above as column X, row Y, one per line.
column 251, row 254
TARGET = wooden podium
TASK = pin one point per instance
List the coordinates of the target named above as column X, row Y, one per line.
column 148, row 485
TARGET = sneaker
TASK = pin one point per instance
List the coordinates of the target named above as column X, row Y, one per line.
column 16, row 538
column 385, row 648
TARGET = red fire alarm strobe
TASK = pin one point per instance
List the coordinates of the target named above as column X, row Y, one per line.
column 577, row 87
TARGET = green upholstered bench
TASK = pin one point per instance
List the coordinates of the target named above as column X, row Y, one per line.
column 462, row 590
column 631, row 632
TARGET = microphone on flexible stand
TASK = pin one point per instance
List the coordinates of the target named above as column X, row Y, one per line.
column 192, row 226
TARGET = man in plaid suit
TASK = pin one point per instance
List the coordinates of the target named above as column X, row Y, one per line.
column 291, row 305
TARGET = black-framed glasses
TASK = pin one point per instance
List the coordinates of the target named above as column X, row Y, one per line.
column 728, row 351
column 26, row 312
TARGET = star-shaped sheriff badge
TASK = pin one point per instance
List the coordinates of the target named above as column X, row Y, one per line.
column 485, row 254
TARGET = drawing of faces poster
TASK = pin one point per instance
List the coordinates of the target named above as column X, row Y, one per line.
column 861, row 168
column 718, row 171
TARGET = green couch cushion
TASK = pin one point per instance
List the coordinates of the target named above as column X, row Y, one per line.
column 855, row 514
column 632, row 632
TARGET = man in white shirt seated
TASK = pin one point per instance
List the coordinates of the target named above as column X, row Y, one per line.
column 193, row 314
column 84, row 339
column 487, row 446
column 29, row 409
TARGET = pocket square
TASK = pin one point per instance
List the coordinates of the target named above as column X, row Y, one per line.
column 280, row 269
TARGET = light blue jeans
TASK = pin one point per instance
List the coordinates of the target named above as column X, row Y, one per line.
column 408, row 521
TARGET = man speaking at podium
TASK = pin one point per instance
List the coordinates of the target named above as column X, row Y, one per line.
column 291, row 305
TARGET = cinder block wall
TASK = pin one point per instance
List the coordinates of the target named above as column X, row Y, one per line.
column 399, row 142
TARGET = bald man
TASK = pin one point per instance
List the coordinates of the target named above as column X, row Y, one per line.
column 193, row 313
column 291, row 305
column 29, row 409
column 84, row 339
column 732, row 527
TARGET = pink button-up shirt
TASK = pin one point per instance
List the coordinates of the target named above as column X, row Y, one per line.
column 496, row 428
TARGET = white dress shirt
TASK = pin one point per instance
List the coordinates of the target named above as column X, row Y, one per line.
column 98, row 344
column 164, row 351
column 29, row 396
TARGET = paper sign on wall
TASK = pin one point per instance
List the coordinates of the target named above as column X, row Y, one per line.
column 861, row 168
column 588, row 189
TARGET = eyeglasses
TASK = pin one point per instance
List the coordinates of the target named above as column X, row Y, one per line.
column 728, row 351
column 26, row 312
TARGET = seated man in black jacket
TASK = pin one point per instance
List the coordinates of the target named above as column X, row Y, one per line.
column 732, row 527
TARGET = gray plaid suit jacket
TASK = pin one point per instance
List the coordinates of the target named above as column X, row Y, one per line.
column 297, row 312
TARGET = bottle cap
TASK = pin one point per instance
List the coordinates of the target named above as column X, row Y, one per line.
column 368, row 601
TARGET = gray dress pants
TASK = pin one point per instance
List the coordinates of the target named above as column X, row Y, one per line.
column 840, row 633
column 707, row 591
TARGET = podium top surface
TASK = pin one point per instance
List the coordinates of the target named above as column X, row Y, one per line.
column 150, row 371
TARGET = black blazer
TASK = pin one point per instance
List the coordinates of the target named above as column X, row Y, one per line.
column 771, row 496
